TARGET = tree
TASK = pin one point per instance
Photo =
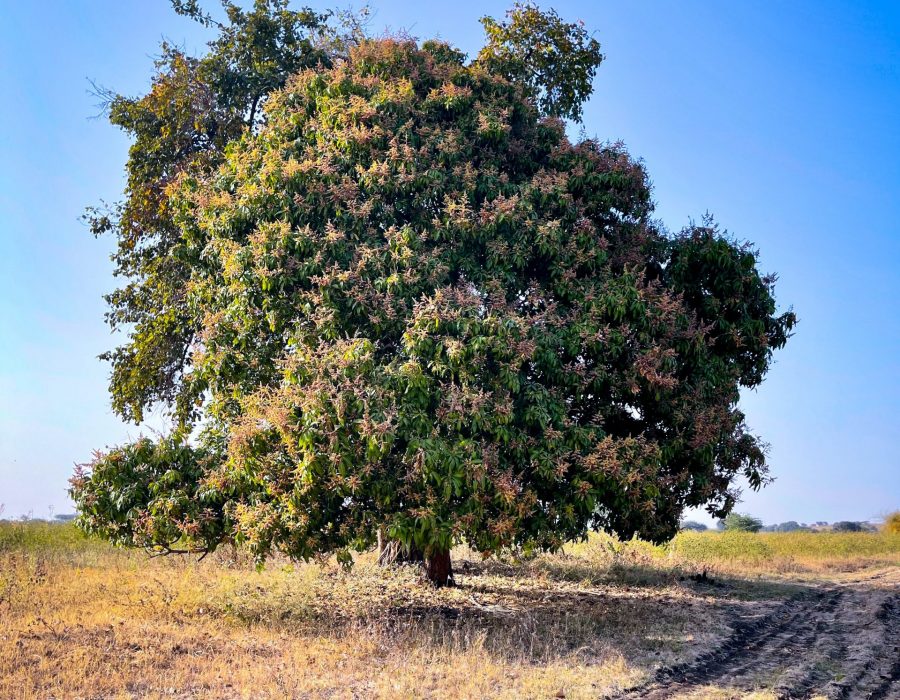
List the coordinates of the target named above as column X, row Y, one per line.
column 891, row 523
column 421, row 310
column 737, row 522
column 848, row 526
column 693, row 525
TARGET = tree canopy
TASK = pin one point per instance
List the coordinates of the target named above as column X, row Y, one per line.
column 741, row 522
column 406, row 300
column 892, row 523
column 194, row 109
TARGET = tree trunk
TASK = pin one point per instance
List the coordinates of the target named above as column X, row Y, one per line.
column 392, row 552
column 438, row 569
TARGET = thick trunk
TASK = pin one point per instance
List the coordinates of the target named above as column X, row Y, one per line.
column 438, row 569
column 437, row 566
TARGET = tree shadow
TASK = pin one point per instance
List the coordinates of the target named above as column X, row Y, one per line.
column 647, row 616
column 639, row 572
column 648, row 625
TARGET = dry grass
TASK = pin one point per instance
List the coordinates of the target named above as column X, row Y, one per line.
column 79, row 619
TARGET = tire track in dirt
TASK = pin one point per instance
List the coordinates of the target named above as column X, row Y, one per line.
column 873, row 672
column 838, row 640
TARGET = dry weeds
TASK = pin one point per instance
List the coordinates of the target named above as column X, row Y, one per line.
column 81, row 620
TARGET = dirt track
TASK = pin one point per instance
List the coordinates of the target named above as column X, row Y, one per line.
column 835, row 640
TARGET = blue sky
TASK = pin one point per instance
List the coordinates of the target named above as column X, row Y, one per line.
column 779, row 118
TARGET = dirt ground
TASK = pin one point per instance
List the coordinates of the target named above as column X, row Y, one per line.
column 832, row 639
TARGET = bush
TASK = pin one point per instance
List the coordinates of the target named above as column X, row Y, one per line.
column 847, row 526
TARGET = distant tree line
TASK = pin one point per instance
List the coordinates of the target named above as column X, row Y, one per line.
column 738, row 522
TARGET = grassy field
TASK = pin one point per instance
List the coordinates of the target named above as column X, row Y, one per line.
column 79, row 619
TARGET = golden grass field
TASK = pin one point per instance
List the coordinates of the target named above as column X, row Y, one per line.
column 80, row 619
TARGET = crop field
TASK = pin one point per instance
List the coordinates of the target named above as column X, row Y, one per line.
column 709, row 616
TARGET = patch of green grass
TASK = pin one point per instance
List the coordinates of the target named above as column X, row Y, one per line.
column 60, row 543
column 714, row 547
column 38, row 535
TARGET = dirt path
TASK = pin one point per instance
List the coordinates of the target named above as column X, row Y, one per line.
column 835, row 640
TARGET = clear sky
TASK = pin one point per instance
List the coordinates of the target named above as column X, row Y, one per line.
column 782, row 119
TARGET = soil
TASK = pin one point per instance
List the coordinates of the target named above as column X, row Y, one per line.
column 834, row 639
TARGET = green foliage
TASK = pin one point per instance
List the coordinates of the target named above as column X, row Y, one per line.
column 411, row 302
column 256, row 51
column 737, row 522
column 847, row 526
column 556, row 60
column 152, row 494
column 195, row 107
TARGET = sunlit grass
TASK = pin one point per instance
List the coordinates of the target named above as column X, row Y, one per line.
column 79, row 618
column 786, row 552
column 745, row 552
